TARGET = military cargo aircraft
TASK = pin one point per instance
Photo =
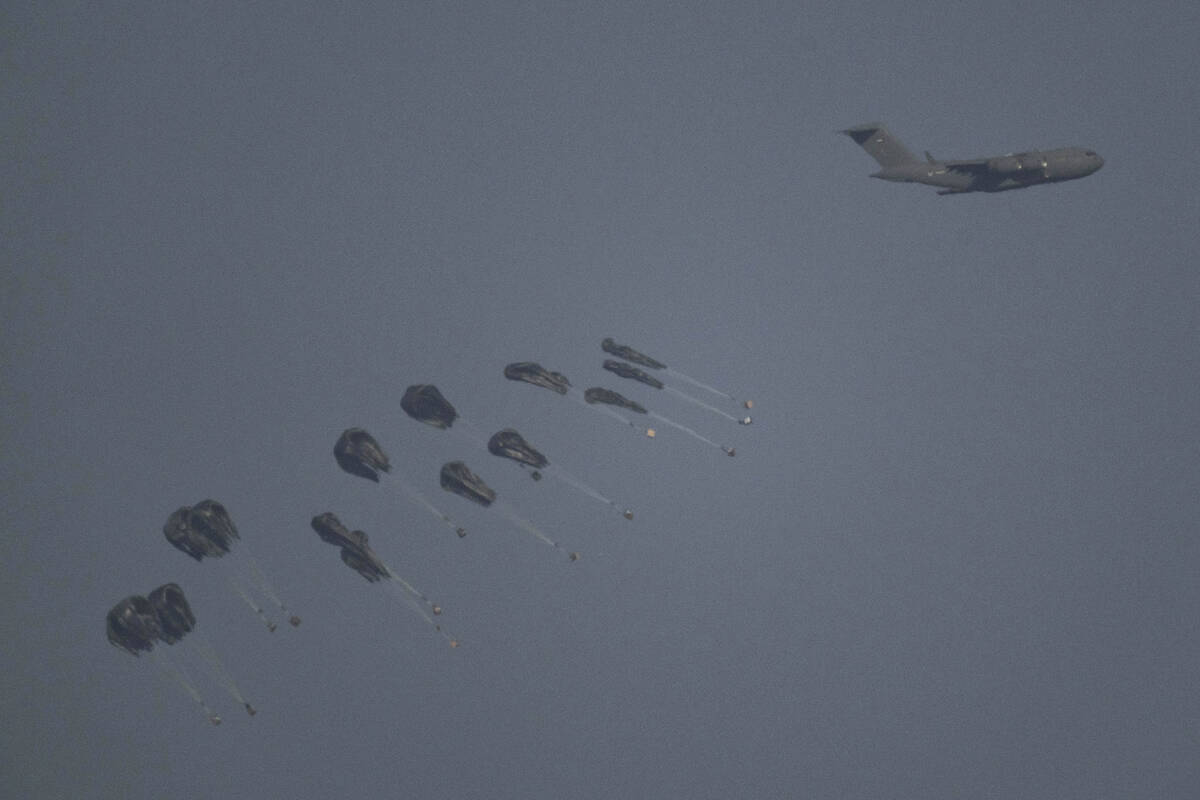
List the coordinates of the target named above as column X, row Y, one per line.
column 996, row 174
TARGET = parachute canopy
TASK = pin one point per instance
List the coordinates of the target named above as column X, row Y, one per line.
column 538, row 375
column 609, row 397
column 175, row 616
column 457, row 478
column 631, row 372
column 205, row 529
column 510, row 444
column 629, row 354
column 424, row 403
column 358, row 453
column 356, row 553
column 133, row 625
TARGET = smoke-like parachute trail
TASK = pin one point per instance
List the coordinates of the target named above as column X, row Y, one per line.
column 729, row 451
column 629, row 354
column 205, row 650
column 207, row 530
column 417, row 600
column 509, row 444
column 241, row 592
column 422, row 501
column 458, row 479
column 357, row 554
column 357, row 453
column 739, row 420
column 180, row 676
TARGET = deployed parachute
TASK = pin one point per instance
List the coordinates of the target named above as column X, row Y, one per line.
column 629, row 354
column 457, row 478
column 359, row 556
column 356, row 553
column 174, row 614
column 631, row 372
column 133, row 625
column 510, row 444
column 137, row 622
column 609, row 397
column 424, row 403
column 538, row 375
column 358, row 453
column 206, row 530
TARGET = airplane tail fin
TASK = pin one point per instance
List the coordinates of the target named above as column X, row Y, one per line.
column 880, row 144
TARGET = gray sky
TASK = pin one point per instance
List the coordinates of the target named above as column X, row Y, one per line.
column 955, row 555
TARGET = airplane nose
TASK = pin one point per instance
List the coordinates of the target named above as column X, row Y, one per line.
column 1099, row 163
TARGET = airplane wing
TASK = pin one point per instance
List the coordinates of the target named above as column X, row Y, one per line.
column 978, row 166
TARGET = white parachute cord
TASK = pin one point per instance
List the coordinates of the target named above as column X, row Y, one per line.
column 702, row 404
column 236, row 585
column 420, row 499
column 180, row 676
column 204, row 649
column 697, row 383
column 688, row 431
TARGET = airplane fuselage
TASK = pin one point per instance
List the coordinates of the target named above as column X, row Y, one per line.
column 996, row 174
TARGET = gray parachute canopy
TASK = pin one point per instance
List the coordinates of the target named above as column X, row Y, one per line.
column 424, row 403
column 609, row 397
column 510, row 444
column 538, row 375
column 205, row 529
column 133, row 625
column 457, row 478
column 358, row 453
column 175, row 616
column 356, row 553
column 632, row 372
column 629, row 354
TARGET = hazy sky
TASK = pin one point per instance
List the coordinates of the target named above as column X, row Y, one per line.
column 955, row 555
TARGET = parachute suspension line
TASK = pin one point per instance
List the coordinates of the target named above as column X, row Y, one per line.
column 569, row 479
column 524, row 524
column 420, row 499
column 236, row 585
column 407, row 594
column 704, row 386
column 690, row 432
column 180, row 676
column 702, row 404
column 201, row 645
column 259, row 578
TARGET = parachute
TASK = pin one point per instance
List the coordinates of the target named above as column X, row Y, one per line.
column 356, row 553
column 631, row 372
column 424, row 403
column 137, row 622
column 359, row 556
column 609, row 397
column 510, row 444
column 629, row 354
column 206, row 530
column 174, row 614
column 133, row 625
column 537, row 375
column 457, row 478
column 358, row 453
